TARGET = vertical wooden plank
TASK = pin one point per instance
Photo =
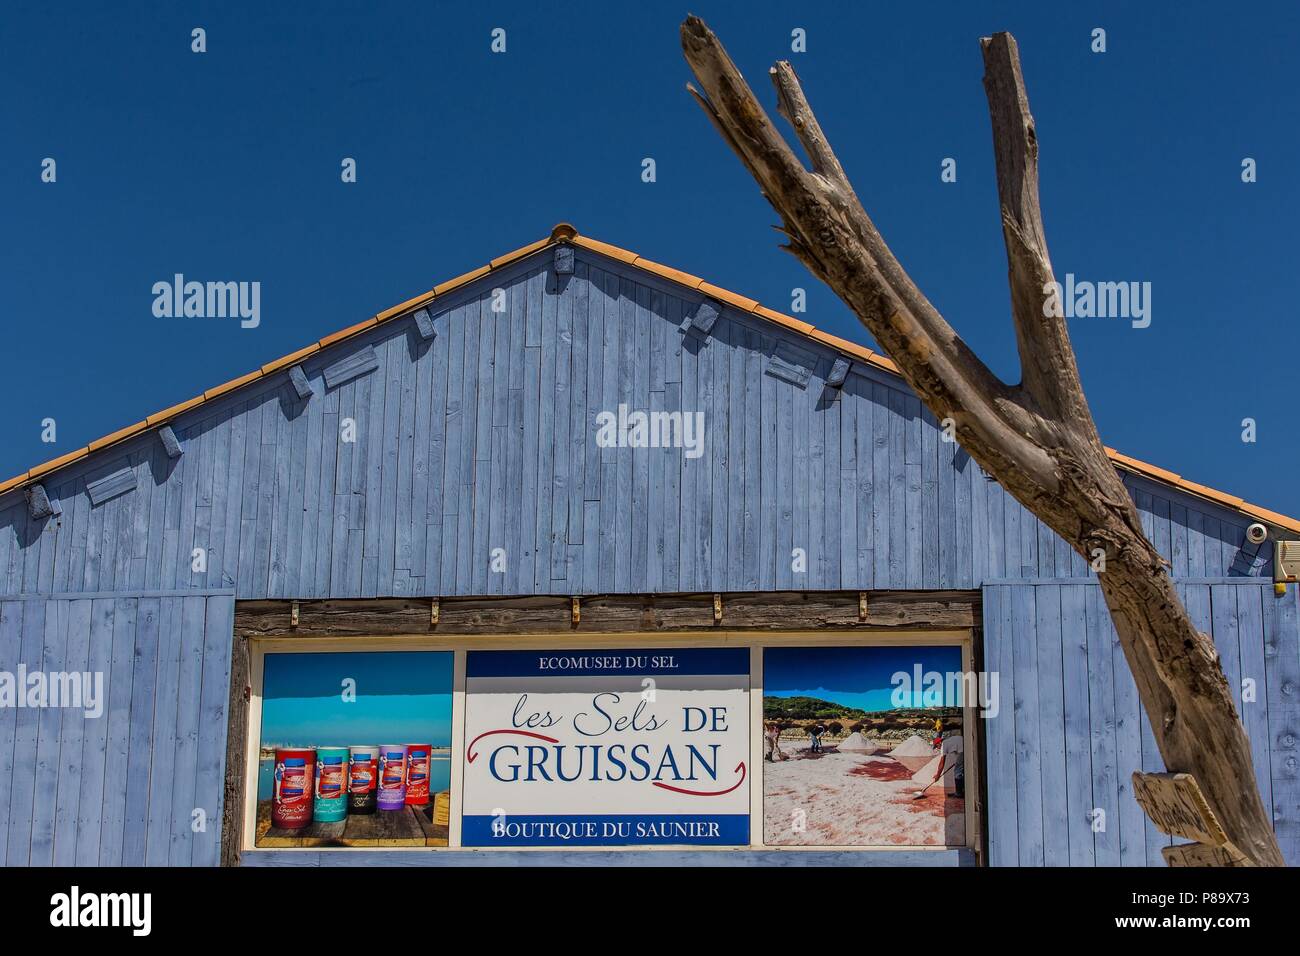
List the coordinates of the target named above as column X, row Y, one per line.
column 850, row 402
column 719, row 442
column 979, row 523
column 770, row 444
column 1101, row 718
column 884, row 484
column 303, row 547
column 25, row 738
column 1225, row 630
column 595, row 397
column 785, row 492
column 74, row 726
column 900, row 491
column 832, row 481
column 806, row 487
column 1282, row 665
column 1047, row 566
column 94, row 741
column 1079, row 773
column 581, row 421
column 954, row 515
column 701, row 534
column 1129, row 721
column 562, row 400
column 158, row 826
column 1029, row 769
column 471, row 561
column 546, row 444
column 532, row 374
column 381, row 545
column 1178, row 540
column 404, row 531
column 932, row 549
column 48, row 739
column 1254, row 705
column 434, row 506
column 673, row 503
column 209, row 784
column 732, row 403
column 1001, row 730
column 187, row 731
column 639, row 529
column 1051, row 633
column 117, row 747
column 452, row 478
column 227, row 559
column 656, row 507
column 11, row 774
column 301, row 456
column 144, row 682
column 865, row 415
column 1195, row 543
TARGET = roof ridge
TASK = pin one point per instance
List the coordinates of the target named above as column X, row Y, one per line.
column 566, row 232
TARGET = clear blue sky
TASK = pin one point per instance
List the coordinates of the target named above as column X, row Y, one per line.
column 225, row 166
column 860, row 677
column 401, row 697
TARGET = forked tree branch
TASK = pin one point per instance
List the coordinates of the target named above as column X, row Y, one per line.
column 1037, row 439
column 831, row 233
column 1048, row 370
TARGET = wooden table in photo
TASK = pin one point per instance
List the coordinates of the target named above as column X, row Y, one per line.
column 409, row 826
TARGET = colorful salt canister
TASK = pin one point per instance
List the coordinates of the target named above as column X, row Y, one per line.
column 392, row 776
column 331, row 803
column 292, row 799
column 363, row 779
column 417, row 774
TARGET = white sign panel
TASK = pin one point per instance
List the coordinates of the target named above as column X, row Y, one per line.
column 606, row 747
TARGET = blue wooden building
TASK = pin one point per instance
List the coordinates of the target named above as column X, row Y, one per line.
column 434, row 477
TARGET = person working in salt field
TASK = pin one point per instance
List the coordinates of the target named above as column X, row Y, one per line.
column 815, row 732
column 772, row 734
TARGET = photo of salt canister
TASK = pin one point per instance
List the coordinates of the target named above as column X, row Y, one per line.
column 392, row 776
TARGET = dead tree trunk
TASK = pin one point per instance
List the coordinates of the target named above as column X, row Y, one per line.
column 1037, row 438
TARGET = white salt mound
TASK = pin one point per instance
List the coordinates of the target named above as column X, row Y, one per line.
column 913, row 746
column 926, row 774
column 856, row 743
column 913, row 753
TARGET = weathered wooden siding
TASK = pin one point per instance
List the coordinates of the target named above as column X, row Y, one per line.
column 484, row 438
column 1071, row 730
column 121, row 788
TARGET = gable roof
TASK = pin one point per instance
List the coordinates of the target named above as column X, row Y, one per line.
column 562, row 233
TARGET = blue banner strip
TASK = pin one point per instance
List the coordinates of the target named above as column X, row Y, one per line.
column 606, row 830
column 619, row 662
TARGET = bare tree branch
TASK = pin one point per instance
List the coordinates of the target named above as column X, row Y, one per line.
column 831, row 234
column 1047, row 364
column 1037, row 439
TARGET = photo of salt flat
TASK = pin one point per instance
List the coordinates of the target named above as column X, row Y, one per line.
column 856, row 754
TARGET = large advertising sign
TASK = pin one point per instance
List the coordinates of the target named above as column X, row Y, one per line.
column 606, row 747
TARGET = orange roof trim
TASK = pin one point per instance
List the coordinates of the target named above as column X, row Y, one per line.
column 564, row 232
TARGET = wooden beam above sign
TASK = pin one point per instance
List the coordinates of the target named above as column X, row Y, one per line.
column 770, row 612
